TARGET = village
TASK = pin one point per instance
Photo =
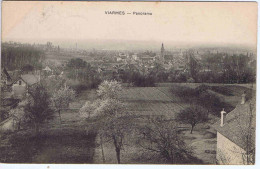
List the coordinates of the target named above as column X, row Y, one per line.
column 56, row 100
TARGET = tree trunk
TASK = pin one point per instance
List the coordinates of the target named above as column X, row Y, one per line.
column 118, row 155
column 19, row 125
column 36, row 128
column 192, row 126
column 60, row 117
column 117, row 149
column 101, row 144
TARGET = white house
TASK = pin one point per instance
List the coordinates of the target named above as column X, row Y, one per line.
column 47, row 68
column 236, row 134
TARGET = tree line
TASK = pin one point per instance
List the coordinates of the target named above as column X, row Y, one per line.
column 15, row 57
column 213, row 68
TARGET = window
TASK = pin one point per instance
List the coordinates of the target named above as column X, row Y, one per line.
column 20, row 82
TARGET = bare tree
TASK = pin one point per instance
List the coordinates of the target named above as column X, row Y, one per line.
column 193, row 115
column 246, row 125
column 162, row 137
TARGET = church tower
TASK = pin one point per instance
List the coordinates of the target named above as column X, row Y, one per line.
column 162, row 53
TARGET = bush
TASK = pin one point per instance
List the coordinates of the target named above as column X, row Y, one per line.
column 142, row 81
column 78, row 88
column 184, row 93
column 200, row 96
column 202, row 88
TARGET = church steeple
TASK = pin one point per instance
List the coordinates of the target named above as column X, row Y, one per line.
column 162, row 48
column 162, row 52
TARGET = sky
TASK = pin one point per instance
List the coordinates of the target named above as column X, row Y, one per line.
column 179, row 22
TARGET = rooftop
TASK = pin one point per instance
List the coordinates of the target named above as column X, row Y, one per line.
column 30, row 79
column 239, row 124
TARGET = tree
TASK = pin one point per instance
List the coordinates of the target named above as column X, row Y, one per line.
column 83, row 72
column 162, row 137
column 27, row 68
column 17, row 56
column 114, row 110
column 61, row 99
column 76, row 63
column 38, row 109
column 114, row 118
column 109, row 89
column 193, row 115
column 115, row 125
column 193, row 65
column 90, row 108
column 53, row 83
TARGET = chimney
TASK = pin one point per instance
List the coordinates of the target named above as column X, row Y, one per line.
column 243, row 99
column 223, row 115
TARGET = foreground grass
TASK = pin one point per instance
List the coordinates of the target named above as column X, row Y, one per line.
column 63, row 147
column 70, row 142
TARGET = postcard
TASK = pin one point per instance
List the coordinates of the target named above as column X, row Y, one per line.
column 128, row 82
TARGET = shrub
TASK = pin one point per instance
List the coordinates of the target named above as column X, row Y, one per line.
column 184, row 93
column 202, row 88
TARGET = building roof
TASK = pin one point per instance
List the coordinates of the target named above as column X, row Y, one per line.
column 47, row 68
column 30, row 79
column 6, row 74
column 239, row 124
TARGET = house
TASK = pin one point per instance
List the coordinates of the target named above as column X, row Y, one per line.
column 7, row 125
column 20, row 86
column 47, row 69
column 236, row 134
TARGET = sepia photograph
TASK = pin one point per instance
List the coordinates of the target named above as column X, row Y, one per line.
column 87, row 82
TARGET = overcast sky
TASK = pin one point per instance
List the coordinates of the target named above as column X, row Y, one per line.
column 198, row 22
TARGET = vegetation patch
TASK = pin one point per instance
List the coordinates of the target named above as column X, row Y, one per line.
column 67, row 146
